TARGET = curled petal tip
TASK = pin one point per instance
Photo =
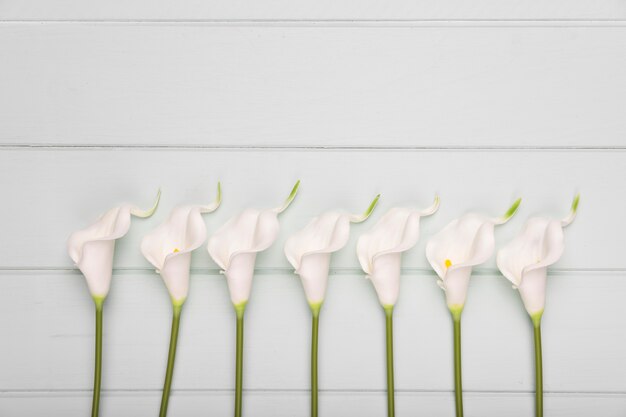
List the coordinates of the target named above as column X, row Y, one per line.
column 147, row 213
column 216, row 203
column 290, row 198
column 572, row 213
column 510, row 212
column 358, row 218
column 432, row 209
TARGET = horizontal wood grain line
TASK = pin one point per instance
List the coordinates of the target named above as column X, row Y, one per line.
column 332, row 405
column 340, row 22
column 10, row 270
column 51, row 392
column 254, row 148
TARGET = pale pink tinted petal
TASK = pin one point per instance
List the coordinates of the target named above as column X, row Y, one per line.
column 456, row 284
column 533, row 290
column 396, row 231
column 324, row 234
column 96, row 264
column 239, row 276
column 313, row 272
column 112, row 225
column 309, row 251
column 169, row 248
column 250, row 231
column 386, row 278
column 92, row 249
column 175, row 274
column 182, row 232
column 467, row 241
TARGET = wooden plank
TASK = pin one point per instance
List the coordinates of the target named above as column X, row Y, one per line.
column 49, row 194
column 307, row 10
column 289, row 404
column 51, row 346
column 302, row 86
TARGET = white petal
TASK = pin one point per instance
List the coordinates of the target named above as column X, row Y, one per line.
column 525, row 259
column 313, row 272
column 456, row 285
column 466, row 241
column 234, row 246
column 169, row 247
column 323, row 234
column 92, row 248
column 397, row 231
column 239, row 277
column 175, row 274
column 136, row 211
column 386, row 278
column 533, row 290
column 572, row 213
column 96, row 264
column 379, row 250
column 309, row 250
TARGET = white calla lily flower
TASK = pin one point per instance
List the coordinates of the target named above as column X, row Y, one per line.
column 92, row 249
column 525, row 260
column 168, row 248
column 461, row 245
column 309, row 250
column 234, row 246
column 380, row 250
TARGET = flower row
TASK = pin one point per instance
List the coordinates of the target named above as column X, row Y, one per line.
column 452, row 253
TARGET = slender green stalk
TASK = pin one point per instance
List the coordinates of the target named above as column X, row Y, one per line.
column 315, row 310
column 538, row 367
column 171, row 357
column 390, row 389
column 458, row 380
column 240, row 308
column 97, row 375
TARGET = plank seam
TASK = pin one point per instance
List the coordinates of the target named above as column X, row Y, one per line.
column 5, row 270
column 10, row 392
column 118, row 147
column 498, row 23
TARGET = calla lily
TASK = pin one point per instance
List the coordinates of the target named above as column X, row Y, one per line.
column 234, row 247
column 309, row 251
column 461, row 245
column 92, row 251
column 524, row 262
column 168, row 248
column 380, row 252
column 452, row 253
column 92, row 248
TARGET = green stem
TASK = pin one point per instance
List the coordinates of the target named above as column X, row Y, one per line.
column 97, row 375
column 171, row 357
column 538, row 369
column 315, row 310
column 458, row 384
column 240, row 308
column 390, row 389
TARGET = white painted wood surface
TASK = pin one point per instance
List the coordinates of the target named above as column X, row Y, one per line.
column 479, row 102
column 348, row 10
column 310, row 86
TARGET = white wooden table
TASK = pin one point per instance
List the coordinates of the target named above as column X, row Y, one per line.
column 480, row 102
